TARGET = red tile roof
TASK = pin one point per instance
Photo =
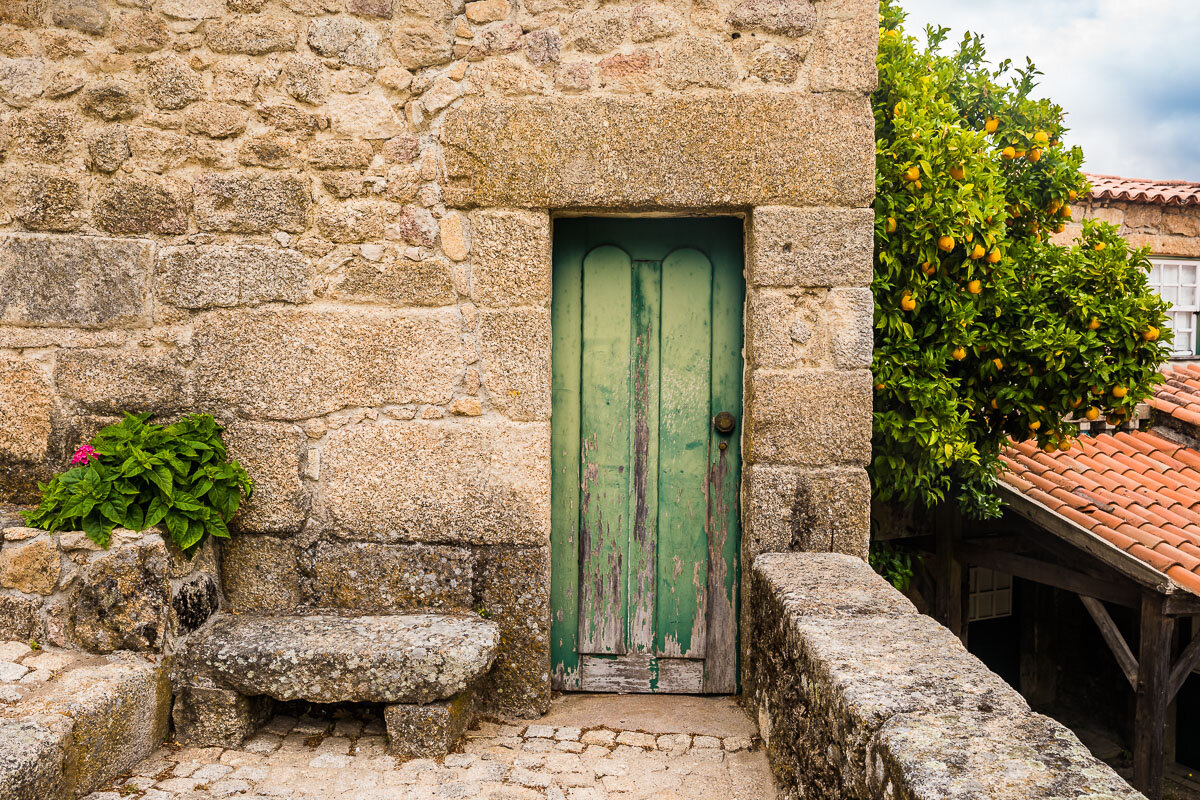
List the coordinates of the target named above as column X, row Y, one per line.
column 1179, row 397
column 1136, row 490
column 1139, row 190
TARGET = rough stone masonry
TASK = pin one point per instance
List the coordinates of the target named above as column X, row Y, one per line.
column 328, row 223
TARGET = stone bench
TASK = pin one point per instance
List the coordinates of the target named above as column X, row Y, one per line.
column 422, row 666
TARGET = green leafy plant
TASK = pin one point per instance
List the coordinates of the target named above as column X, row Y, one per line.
column 896, row 566
column 987, row 327
column 136, row 475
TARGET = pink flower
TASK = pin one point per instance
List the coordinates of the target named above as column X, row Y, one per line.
column 83, row 455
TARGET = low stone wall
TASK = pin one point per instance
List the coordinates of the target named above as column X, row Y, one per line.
column 859, row 696
column 62, row 589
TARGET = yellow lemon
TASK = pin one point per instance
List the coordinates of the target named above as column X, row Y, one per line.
column 1041, row 136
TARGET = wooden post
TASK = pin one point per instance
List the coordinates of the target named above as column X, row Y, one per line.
column 1039, row 670
column 950, row 599
column 1154, row 670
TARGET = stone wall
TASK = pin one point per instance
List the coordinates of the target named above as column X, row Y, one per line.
column 1166, row 230
column 859, row 696
column 63, row 590
column 329, row 223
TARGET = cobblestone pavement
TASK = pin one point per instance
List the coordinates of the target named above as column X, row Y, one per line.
column 640, row 747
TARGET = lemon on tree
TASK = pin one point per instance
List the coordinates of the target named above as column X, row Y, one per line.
column 1062, row 328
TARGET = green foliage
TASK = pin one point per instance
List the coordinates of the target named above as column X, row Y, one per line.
column 143, row 475
column 896, row 566
column 985, row 328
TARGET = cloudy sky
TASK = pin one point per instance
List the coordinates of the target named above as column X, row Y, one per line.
column 1127, row 72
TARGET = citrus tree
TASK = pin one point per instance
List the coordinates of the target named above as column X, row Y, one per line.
column 985, row 328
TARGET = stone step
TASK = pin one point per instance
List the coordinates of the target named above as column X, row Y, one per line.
column 93, row 720
column 422, row 665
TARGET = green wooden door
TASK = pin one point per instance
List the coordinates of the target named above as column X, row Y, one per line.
column 647, row 319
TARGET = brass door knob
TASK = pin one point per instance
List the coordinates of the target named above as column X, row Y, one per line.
column 724, row 423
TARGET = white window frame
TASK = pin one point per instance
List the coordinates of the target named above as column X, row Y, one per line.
column 989, row 595
column 1177, row 280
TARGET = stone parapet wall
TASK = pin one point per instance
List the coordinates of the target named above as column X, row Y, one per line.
column 63, row 590
column 859, row 696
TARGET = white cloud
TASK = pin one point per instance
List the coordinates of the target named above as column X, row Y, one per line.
column 1126, row 73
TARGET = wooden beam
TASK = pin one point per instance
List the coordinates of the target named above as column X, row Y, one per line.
column 1136, row 569
column 1184, row 665
column 1113, row 638
column 1182, row 604
column 1032, row 569
column 1154, row 674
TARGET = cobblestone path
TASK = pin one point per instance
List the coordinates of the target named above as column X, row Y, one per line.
column 588, row 747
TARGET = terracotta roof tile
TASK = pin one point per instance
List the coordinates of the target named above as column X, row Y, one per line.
column 1185, row 578
column 1140, row 190
column 1179, row 397
column 1135, row 490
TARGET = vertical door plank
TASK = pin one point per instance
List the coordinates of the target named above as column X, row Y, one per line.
column 724, row 468
column 643, row 500
column 605, row 449
column 684, row 422
column 566, row 322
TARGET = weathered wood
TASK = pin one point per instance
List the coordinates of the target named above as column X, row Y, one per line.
column 1181, row 604
column 643, row 501
column 566, row 319
column 1039, row 671
column 724, row 459
column 950, row 596
column 639, row 366
column 1113, row 638
column 604, row 454
column 685, row 375
column 1187, row 661
column 641, row 672
column 1154, row 668
column 1048, row 574
column 1136, row 569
